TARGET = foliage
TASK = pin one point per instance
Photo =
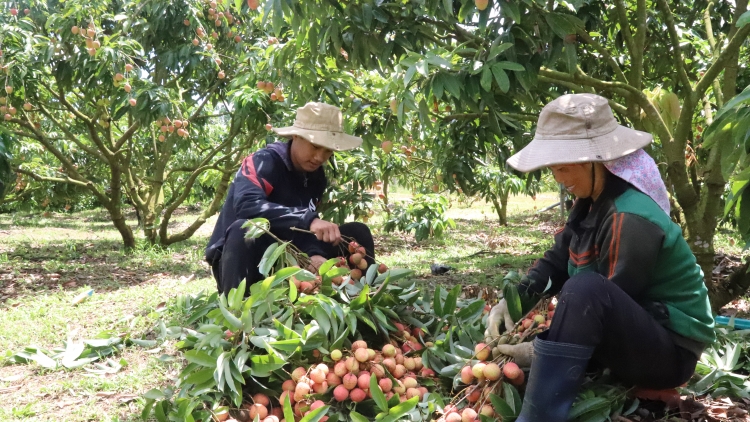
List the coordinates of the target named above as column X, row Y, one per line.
column 472, row 81
column 724, row 366
column 730, row 132
column 424, row 214
column 138, row 108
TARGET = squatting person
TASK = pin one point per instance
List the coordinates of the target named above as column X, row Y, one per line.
column 631, row 297
column 284, row 183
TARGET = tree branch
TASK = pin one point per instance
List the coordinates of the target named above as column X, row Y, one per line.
column 584, row 34
column 675, row 39
column 72, row 137
column 729, row 51
column 622, row 17
column 39, row 178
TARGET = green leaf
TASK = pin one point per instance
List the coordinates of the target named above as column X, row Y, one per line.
column 288, row 412
column 200, row 358
column 356, row 417
column 377, row 393
column 593, row 404
column 506, row 65
column 501, row 77
column 234, row 301
column 398, row 411
column 324, row 267
column 510, row 293
column 437, row 302
column 263, row 365
column 503, row 408
column 256, row 227
column 449, row 307
column 265, row 263
column 486, row 80
column 472, row 311
column 512, row 397
column 233, row 321
column 362, row 299
column 744, row 19
column 315, row 415
column 498, row 49
column 155, row 394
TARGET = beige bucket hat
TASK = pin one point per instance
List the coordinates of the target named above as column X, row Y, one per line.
column 577, row 128
column 320, row 124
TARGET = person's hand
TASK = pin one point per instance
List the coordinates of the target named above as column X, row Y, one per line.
column 522, row 353
column 326, row 231
column 498, row 322
column 315, row 262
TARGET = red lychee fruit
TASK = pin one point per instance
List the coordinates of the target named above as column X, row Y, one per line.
column 512, row 371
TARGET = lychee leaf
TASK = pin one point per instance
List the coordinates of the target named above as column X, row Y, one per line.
column 315, row 415
column 288, row 412
column 377, row 393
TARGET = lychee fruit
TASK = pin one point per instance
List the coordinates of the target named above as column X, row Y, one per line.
column 512, row 371
column 357, row 395
column 482, row 351
column 340, row 393
column 491, row 371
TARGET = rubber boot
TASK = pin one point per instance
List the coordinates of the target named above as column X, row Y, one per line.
column 557, row 370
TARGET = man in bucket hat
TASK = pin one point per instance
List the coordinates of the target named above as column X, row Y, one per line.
column 284, row 183
column 631, row 297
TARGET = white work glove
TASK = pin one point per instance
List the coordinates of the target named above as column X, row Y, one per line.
column 521, row 353
column 498, row 315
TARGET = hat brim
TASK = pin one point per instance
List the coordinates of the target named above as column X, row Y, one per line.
column 549, row 152
column 336, row 141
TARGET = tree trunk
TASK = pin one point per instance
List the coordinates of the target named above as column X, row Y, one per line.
column 722, row 293
column 115, row 212
column 501, row 207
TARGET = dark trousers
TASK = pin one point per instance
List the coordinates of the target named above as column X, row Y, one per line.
column 240, row 257
column 593, row 311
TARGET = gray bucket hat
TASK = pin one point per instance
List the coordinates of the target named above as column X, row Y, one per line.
column 577, row 128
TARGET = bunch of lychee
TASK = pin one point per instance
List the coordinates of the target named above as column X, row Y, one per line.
column 167, row 126
column 90, row 35
column 535, row 322
column 357, row 261
column 351, row 375
column 481, row 379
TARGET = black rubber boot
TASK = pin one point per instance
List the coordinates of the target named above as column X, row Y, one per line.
column 557, row 370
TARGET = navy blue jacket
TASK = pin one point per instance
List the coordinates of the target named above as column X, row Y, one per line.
column 268, row 186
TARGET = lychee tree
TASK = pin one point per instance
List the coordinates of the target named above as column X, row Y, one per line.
column 666, row 68
column 134, row 102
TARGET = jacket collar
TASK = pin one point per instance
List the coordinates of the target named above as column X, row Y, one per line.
column 282, row 150
column 586, row 213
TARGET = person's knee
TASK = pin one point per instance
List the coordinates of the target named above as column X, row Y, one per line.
column 356, row 229
column 584, row 288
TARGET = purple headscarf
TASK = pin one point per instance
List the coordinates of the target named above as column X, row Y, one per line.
column 640, row 170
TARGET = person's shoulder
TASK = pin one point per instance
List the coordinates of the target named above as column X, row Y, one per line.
column 635, row 202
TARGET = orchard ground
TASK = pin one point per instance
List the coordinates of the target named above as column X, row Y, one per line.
column 45, row 261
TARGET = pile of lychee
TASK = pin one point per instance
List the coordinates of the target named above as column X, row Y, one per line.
column 349, row 378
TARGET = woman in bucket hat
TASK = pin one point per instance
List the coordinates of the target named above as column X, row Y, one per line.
column 631, row 297
column 284, row 183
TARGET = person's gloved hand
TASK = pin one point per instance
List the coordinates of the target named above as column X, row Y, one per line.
column 521, row 353
column 498, row 315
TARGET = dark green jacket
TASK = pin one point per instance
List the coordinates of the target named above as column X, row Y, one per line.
column 627, row 238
